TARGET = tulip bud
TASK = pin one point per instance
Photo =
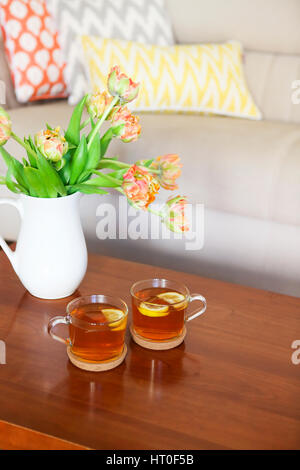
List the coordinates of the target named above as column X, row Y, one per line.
column 125, row 125
column 173, row 214
column 169, row 170
column 140, row 187
column 5, row 127
column 51, row 144
column 96, row 104
column 120, row 85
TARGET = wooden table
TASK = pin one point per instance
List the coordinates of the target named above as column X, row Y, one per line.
column 231, row 385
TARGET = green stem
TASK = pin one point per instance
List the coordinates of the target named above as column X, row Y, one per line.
column 121, row 165
column 26, row 147
column 159, row 214
column 120, row 191
column 85, row 123
column 101, row 121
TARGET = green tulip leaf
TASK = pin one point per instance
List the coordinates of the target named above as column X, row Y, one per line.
column 92, row 159
column 94, row 154
column 117, row 130
column 65, row 171
column 86, row 189
column 11, row 185
column 112, row 164
column 79, row 160
column 84, row 176
column 148, row 163
column 60, row 164
column 104, row 180
column 106, row 140
column 73, row 132
column 93, row 125
column 50, row 177
column 16, row 168
column 31, row 158
column 118, row 174
column 36, row 183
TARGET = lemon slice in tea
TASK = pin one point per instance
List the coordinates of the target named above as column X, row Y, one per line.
column 173, row 298
column 153, row 310
column 113, row 315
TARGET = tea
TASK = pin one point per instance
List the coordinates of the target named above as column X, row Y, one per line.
column 97, row 331
column 158, row 313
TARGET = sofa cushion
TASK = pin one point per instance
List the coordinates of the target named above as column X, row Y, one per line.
column 249, row 168
column 33, row 51
column 6, row 84
column 191, row 78
column 144, row 21
column 260, row 25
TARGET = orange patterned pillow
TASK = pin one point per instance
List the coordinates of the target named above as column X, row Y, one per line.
column 33, row 51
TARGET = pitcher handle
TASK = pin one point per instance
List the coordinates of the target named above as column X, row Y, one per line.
column 12, row 256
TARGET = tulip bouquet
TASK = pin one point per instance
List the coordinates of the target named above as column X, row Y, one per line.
column 58, row 164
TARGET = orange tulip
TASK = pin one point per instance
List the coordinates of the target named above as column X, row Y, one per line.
column 120, row 85
column 5, row 127
column 97, row 103
column 140, row 187
column 174, row 214
column 125, row 125
column 169, row 170
column 51, row 144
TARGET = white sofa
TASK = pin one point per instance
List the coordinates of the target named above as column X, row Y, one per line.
column 246, row 173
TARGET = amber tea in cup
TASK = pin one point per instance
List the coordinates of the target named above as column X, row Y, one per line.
column 159, row 308
column 97, row 326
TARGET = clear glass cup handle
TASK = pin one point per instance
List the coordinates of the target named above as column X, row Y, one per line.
column 58, row 321
column 193, row 315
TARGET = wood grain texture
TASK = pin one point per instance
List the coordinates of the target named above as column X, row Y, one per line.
column 230, row 385
column 14, row 437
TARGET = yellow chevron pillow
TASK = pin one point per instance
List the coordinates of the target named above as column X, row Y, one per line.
column 189, row 78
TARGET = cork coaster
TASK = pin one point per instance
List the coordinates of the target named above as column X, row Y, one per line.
column 158, row 345
column 96, row 366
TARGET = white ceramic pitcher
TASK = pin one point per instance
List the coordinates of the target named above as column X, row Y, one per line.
column 51, row 256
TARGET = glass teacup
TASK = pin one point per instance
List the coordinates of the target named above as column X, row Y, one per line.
column 97, row 326
column 159, row 308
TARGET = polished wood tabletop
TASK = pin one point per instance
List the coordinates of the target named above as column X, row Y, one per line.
column 230, row 385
